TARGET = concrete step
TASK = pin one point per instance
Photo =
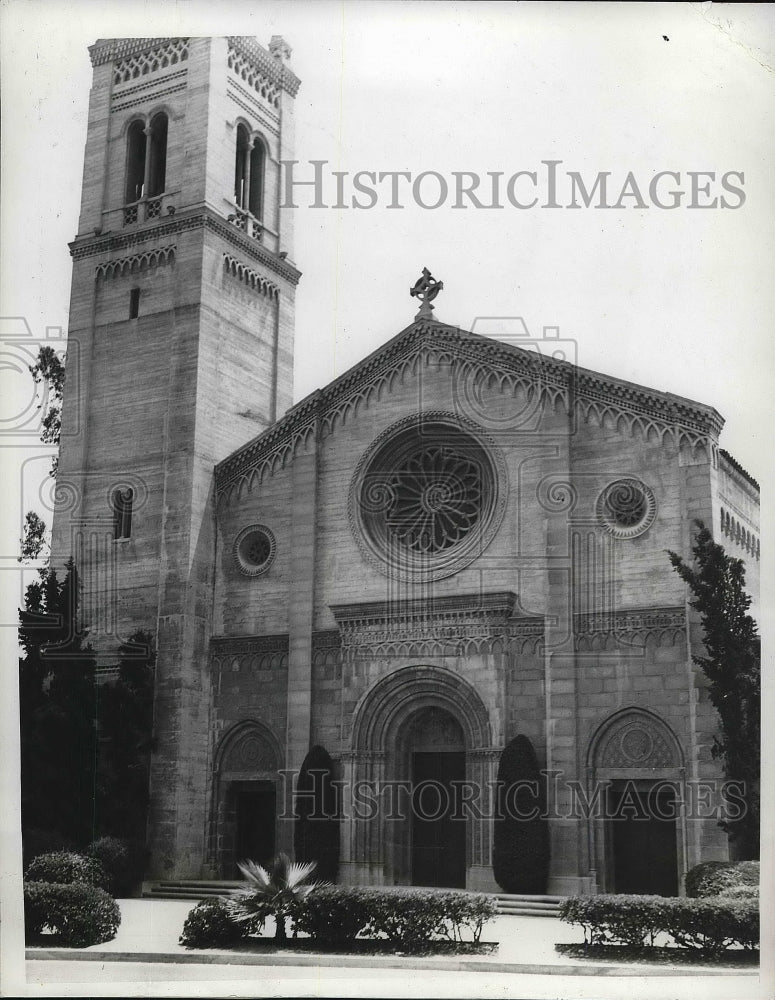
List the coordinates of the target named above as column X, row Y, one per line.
column 509, row 904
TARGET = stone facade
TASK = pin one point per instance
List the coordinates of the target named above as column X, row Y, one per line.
column 453, row 543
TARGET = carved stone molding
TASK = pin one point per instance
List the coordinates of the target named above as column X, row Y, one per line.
column 449, row 626
column 260, row 69
column 249, row 654
column 636, row 739
column 136, row 263
column 248, row 747
column 255, row 281
column 118, row 49
column 664, row 626
column 626, row 407
column 183, row 222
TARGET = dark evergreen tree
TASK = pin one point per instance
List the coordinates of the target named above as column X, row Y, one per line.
column 125, row 717
column 732, row 665
column 57, row 711
column 521, row 832
column 316, row 835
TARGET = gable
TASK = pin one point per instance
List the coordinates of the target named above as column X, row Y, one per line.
column 552, row 384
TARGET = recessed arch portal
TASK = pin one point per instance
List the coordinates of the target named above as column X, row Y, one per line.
column 638, row 842
column 421, row 731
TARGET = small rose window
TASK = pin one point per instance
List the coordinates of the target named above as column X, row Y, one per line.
column 627, row 508
column 254, row 550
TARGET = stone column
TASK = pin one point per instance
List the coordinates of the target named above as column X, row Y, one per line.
column 482, row 773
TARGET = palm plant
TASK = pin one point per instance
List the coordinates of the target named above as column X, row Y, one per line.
column 277, row 892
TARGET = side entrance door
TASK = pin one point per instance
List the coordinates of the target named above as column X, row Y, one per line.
column 255, row 833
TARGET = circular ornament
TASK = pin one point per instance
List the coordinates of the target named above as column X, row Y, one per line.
column 627, row 508
column 254, row 550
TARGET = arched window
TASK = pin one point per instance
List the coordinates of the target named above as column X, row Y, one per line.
column 122, row 513
column 248, row 172
column 157, row 165
column 135, row 161
column 146, row 167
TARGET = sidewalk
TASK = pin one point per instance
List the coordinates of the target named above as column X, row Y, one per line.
column 150, row 930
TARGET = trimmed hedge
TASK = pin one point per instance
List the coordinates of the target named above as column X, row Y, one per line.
column 740, row 892
column 714, row 877
column 80, row 914
column 336, row 915
column 711, row 925
column 210, row 925
column 67, row 868
column 410, row 918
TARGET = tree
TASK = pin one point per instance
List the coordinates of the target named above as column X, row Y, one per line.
column 316, row 835
column 125, row 717
column 48, row 372
column 57, row 705
column 521, row 834
column 271, row 893
column 732, row 665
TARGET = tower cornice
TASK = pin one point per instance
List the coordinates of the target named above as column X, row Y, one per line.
column 93, row 244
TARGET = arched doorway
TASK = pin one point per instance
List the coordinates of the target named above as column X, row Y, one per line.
column 638, row 839
column 245, row 801
column 421, row 727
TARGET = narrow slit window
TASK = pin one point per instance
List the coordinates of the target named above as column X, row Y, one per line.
column 122, row 513
column 134, row 303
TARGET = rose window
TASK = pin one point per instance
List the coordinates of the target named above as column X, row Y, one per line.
column 435, row 499
column 627, row 507
column 254, row 550
column 424, row 499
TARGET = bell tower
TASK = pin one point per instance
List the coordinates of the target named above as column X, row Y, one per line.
column 180, row 349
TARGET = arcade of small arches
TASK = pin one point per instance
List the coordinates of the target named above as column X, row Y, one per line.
column 426, row 724
column 741, row 536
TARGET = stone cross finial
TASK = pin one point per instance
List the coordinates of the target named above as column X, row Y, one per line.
column 426, row 288
column 279, row 48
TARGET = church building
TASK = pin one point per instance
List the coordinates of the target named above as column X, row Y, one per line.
column 458, row 541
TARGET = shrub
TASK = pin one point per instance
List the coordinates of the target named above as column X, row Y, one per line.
column 708, row 924
column 80, row 914
column 615, row 919
column 410, row 918
column 334, row 914
column 713, row 877
column 741, row 892
column 713, row 925
column 521, row 834
column 67, row 868
column 122, row 860
column 316, row 833
column 210, row 925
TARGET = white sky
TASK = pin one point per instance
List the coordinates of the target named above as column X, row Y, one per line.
column 680, row 300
